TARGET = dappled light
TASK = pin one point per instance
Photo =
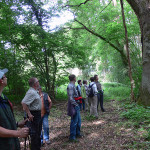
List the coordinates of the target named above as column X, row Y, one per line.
column 98, row 122
column 79, row 70
column 56, row 134
column 93, row 135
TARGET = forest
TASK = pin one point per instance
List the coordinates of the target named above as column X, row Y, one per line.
column 51, row 39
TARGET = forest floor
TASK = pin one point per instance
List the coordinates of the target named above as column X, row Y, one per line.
column 109, row 132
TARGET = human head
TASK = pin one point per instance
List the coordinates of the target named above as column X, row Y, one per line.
column 79, row 82
column 3, row 79
column 84, row 82
column 33, row 82
column 92, row 79
column 96, row 77
column 72, row 77
column 40, row 89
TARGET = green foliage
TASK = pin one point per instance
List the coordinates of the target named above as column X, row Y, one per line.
column 15, row 99
column 139, row 118
column 136, row 113
column 34, row 50
column 61, row 93
column 89, row 117
column 116, row 91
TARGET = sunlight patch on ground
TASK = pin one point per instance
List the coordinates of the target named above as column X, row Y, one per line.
column 98, row 122
column 93, row 135
column 56, row 134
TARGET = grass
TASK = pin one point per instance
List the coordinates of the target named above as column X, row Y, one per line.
column 115, row 91
column 61, row 93
column 134, row 116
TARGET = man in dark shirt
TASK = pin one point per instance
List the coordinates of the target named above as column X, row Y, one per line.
column 8, row 127
column 99, row 94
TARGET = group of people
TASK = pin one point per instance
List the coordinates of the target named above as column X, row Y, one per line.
column 86, row 97
column 36, row 105
column 83, row 91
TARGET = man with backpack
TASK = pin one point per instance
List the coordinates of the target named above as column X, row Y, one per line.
column 93, row 98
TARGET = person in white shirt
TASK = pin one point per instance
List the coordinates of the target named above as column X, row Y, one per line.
column 93, row 99
column 32, row 105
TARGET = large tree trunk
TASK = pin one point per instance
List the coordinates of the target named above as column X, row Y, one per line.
column 142, row 10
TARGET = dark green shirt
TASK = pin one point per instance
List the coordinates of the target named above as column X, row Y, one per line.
column 7, row 121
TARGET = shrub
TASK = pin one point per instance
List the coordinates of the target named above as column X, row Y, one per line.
column 116, row 91
column 61, row 93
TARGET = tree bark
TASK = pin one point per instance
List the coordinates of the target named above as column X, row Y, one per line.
column 142, row 10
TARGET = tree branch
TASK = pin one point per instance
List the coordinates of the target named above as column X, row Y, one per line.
column 123, row 56
column 74, row 28
column 77, row 5
column 105, row 7
column 96, row 34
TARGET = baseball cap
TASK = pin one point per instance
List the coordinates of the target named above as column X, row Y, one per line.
column 2, row 72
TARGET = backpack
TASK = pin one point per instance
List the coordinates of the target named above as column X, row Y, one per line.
column 77, row 88
column 91, row 93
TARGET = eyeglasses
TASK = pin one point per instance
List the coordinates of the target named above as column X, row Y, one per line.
column 36, row 81
column 4, row 77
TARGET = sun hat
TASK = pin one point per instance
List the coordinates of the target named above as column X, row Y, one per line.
column 2, row 72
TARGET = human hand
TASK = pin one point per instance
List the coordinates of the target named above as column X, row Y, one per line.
column 23, row 132
column 22, row 123
column 30, row 117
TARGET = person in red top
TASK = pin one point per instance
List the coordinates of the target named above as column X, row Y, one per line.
column 45, row 109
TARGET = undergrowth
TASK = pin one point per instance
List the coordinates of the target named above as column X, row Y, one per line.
column 133, row 115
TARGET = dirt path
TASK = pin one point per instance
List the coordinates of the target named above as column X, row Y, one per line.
column 105, row 133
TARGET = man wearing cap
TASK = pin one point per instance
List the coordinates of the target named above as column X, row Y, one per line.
column 8, row 126
column 32, row 105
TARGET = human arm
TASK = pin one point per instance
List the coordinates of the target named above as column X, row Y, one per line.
column 14, row 133
column 50, row 102
column 26, row 109
column 27, row 101
column 71, row 91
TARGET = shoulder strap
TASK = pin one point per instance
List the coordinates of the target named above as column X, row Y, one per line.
column 6, row 100
column 91, row 85
column 45, row 95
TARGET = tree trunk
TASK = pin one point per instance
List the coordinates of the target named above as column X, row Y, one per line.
column 142, row 10
column 128, row 53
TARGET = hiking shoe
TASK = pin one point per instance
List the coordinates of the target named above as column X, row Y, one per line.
column 48, row 142
column 42, row 144
column 80, row 136
column 103, row 110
